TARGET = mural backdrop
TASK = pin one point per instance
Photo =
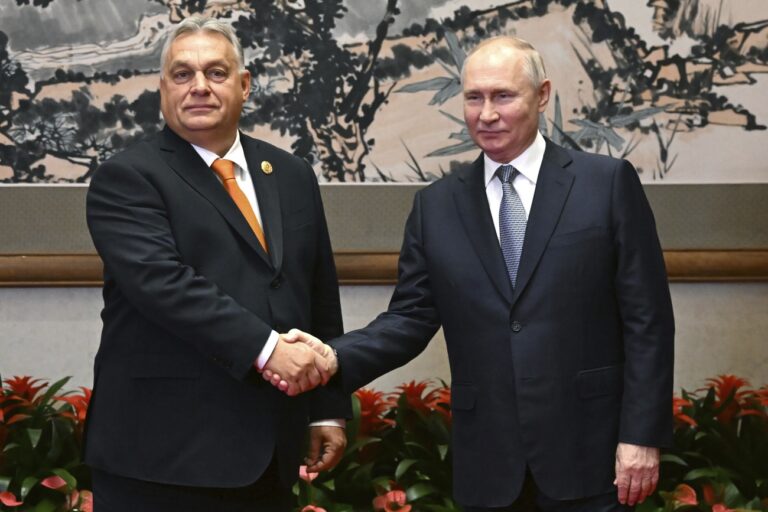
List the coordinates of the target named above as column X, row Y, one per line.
column 368, row 91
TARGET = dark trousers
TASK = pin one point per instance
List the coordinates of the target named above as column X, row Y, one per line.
column 112, row 493
column 532, row 500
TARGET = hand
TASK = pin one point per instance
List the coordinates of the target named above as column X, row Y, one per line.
column 637, row 472
column 300, row 367
column 325, row 351
column 326, row 447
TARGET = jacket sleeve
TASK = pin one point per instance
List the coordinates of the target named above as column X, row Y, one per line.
column 406, row 328
column 646, row 313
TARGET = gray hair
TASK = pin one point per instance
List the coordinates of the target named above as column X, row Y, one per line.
column 202, row 23
column 533, row 64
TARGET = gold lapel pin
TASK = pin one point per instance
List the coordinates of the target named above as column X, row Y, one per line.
column 266, row 167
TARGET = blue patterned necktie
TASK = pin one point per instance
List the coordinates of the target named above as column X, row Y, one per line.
column 512, row 221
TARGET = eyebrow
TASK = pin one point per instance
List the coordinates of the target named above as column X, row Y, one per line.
column 186, row 63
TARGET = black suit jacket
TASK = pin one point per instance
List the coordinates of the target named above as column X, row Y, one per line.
column 554, row 373
column 190, row 298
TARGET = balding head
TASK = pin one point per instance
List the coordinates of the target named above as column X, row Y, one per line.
column 533, row 64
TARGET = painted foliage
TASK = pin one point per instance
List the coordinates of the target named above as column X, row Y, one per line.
column 369, row 91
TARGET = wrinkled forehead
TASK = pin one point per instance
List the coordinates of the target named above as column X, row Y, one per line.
column 201, row 45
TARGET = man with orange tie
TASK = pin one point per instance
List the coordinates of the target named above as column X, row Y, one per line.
column 213, row 243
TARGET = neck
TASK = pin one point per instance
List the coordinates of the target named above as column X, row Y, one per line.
column 215, row 143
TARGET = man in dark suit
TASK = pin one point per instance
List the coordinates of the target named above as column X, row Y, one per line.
column 544, row 269
column 212, row 243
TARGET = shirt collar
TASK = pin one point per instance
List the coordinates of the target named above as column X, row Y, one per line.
column 235, row 153
column 527, row 163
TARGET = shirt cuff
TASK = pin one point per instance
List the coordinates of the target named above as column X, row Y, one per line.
column 341, row 423
column 266, row 352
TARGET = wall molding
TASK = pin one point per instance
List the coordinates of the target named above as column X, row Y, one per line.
column 377, row 268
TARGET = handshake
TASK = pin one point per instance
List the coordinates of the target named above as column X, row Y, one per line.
column 300, row 362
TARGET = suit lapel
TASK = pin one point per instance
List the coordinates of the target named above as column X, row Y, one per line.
column 552, row 188
column 183, row 159
column 472, row 205
column 269, row 199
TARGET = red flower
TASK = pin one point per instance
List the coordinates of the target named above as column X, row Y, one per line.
column 727, row 388
column 8, row 499
column 81, row 500
column 312, row 508
column 373, row 407
column 440, row 401
column 414, row 395
column 762, row 395
column 392, row 501
column 677, row 409
column 25, row 387
column 307, row 476
column 54, row 482
column 684, row 494
column 79, row 404
column 721, row 508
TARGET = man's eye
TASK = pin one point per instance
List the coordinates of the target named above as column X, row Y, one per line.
column 217, row 74
column 180, row 76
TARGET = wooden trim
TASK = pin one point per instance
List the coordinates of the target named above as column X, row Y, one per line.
column 377, row 268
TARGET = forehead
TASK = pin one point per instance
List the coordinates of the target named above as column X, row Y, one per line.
column 495, row 66
column 201, row 45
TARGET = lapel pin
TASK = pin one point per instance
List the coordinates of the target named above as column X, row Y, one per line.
column 266, row 167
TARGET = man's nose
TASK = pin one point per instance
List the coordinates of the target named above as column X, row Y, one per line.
column 200, row 83
column 488, row 113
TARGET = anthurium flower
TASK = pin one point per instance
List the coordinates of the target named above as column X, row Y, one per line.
column 81, row 500
column 719, row 507
column 685, row 495
column 312, row 508
column 392, row 501
column 54, row 482
column 8, row 499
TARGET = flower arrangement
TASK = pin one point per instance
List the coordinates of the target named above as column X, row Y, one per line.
column 398, row 453
column 719, row 459
column 41, row 432
column 397, row 457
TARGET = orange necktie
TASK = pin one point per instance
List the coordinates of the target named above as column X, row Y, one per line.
column 225, row 169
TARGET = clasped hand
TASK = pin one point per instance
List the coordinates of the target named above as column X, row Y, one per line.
column 299, row 363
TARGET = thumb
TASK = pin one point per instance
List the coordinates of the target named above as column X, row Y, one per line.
column 313, row 451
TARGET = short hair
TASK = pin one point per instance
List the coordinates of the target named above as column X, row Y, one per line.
column 533, row 64
column 203, row 23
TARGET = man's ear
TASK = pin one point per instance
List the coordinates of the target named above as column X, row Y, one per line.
column 245, row 83
column 545, row 89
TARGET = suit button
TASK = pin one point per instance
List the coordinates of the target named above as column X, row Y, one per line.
column 276, row 282
column 516, row 326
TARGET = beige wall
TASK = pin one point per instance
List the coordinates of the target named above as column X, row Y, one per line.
column 721, row 328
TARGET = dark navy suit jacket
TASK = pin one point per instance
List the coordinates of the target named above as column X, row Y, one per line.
column 190, row 298
column 550, row 375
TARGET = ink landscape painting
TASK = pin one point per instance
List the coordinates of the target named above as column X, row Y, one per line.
column 369, row 91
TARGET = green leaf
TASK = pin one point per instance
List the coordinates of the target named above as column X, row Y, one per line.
column 443, row 449
column 732, row 497
column 418, row 491
column 668, row 457
column 402, row 468
column 45, row 506
column 67, row 476
column 5, row 482
column 55, row 387
column 34, row 436
column 26, row 485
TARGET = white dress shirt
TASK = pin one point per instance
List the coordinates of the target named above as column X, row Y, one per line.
column 528, row 164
